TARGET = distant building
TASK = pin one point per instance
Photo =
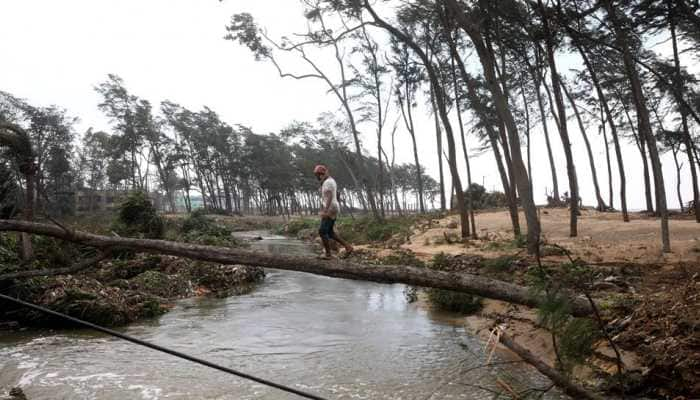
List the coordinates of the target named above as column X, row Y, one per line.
column 195, row 201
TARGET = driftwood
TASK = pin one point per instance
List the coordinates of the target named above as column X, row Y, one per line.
column 474, row 284
column 557, row 378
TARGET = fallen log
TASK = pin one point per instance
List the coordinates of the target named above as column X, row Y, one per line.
column 469, row 283
column 570, row 388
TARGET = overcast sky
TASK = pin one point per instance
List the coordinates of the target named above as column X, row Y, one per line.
column 55, row 52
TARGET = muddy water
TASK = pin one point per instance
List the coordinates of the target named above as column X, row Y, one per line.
column 337, row 338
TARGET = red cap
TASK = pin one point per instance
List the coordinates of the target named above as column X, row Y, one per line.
column 320, row 169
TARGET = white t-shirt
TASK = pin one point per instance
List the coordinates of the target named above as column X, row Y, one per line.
column 329, row 185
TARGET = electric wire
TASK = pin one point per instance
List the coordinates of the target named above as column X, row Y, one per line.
column 163, row 349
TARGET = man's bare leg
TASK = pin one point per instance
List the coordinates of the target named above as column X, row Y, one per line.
column 348, row 246
column 326, row 247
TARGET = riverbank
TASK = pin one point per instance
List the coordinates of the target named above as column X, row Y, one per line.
column 649, row 301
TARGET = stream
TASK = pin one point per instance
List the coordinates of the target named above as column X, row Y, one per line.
column 336, row 338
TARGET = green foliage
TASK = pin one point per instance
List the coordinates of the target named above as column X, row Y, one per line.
column 575, row 336
column 150, row 308
column 520, row 241
column 449, row 300
column 481, row 199
column 500, row 264
column 9, row 192
column 576, row 275
column 403, row 258
column 200, row 229
column 379, row 232
column 8, row 250
column 48, row 252
column 159, row 284
column 295, row 226
column 196, row 221
column 554, row 312
column 440, row 261
column 138, row 218
column 577, row 340
column 53, row 253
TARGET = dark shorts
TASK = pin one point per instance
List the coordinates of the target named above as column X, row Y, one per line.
column 326, row 229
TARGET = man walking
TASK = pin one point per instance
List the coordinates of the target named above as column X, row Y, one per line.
column 329, row 211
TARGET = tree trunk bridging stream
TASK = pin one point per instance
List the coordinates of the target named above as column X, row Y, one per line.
column 462, row 282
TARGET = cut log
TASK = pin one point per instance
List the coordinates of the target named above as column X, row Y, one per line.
column 461, row 282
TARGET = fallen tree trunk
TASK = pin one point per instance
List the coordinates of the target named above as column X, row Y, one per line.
column 560, row 380
column 469, row 283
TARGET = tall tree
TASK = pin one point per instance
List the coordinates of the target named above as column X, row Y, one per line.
column 561, row 111
column 408, row 77
column 470, row 21
column 622, row 40
column 438, row 90
column 120, row 106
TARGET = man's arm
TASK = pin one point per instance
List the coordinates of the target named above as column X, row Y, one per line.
column 327, row 201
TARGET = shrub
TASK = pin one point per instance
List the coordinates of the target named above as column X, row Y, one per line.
column 481, row 199
column 200, row 229
column 137, row 217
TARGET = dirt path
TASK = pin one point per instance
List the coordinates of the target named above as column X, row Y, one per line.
column 602, row 237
